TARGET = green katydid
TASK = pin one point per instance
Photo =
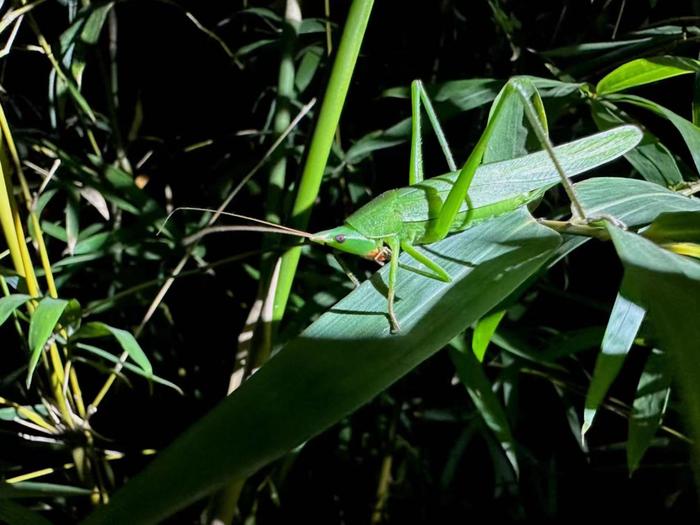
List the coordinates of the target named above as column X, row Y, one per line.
column 427, row 211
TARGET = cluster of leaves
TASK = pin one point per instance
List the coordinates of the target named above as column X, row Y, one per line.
column 101, row 209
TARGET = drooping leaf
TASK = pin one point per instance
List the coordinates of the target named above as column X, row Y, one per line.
column 125, row 339
column 668, row 286
column 689, row 131
column 339, row 363
column 625, row 319
column 132, row 368
column 648, row 409
column 41, row 327
column 645, row 71
column 650, row 158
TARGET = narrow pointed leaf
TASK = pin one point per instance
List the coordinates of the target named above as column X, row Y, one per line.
column 125, row 339
column 650, row 158
column 483, row 332
column 339, row 363
column 625, row 319
column 689, row 131
column 41, row 327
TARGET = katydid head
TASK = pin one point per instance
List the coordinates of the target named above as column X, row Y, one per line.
column 347, row 239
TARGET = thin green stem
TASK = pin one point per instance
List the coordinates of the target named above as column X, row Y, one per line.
column 322, row 140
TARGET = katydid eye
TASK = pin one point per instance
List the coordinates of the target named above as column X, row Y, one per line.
column 340, row 238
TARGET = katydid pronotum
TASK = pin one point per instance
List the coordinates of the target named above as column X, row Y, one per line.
column 427, row 211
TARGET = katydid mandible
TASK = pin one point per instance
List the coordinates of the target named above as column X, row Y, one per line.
column 428, row 210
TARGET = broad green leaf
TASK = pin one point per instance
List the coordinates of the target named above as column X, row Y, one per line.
column 625, row 319
column 650, row 402
column 472, row 376
column 645, row 71
column 32, row 489
column 668, row 287
column 41, row 326
column 483, row 332
column 13, row 513
column 10, row 303
column 689, row 131
column 125, row 339
column 339, row 363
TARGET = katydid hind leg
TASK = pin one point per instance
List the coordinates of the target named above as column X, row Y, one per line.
column 534, row 112
column 419, row 97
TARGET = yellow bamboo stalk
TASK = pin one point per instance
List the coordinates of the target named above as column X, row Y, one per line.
column 44, row 258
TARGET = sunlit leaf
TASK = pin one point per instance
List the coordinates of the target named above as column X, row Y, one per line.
column 645, row 71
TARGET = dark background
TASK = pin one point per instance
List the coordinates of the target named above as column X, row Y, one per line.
column 190, row 91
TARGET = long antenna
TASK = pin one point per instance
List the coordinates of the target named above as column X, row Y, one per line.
column 268, row 226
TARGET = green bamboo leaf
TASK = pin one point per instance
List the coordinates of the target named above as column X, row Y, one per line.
column 10, row 303
column 480, row 391
column 650, row 403
column 625, row 319
column 339, row 363
column 132, row 368
column 645, row 71
column 125, row 339
column 689, row 131
column 12, row 513
column 42, row 325
column 668, row 286
column 483, row 332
